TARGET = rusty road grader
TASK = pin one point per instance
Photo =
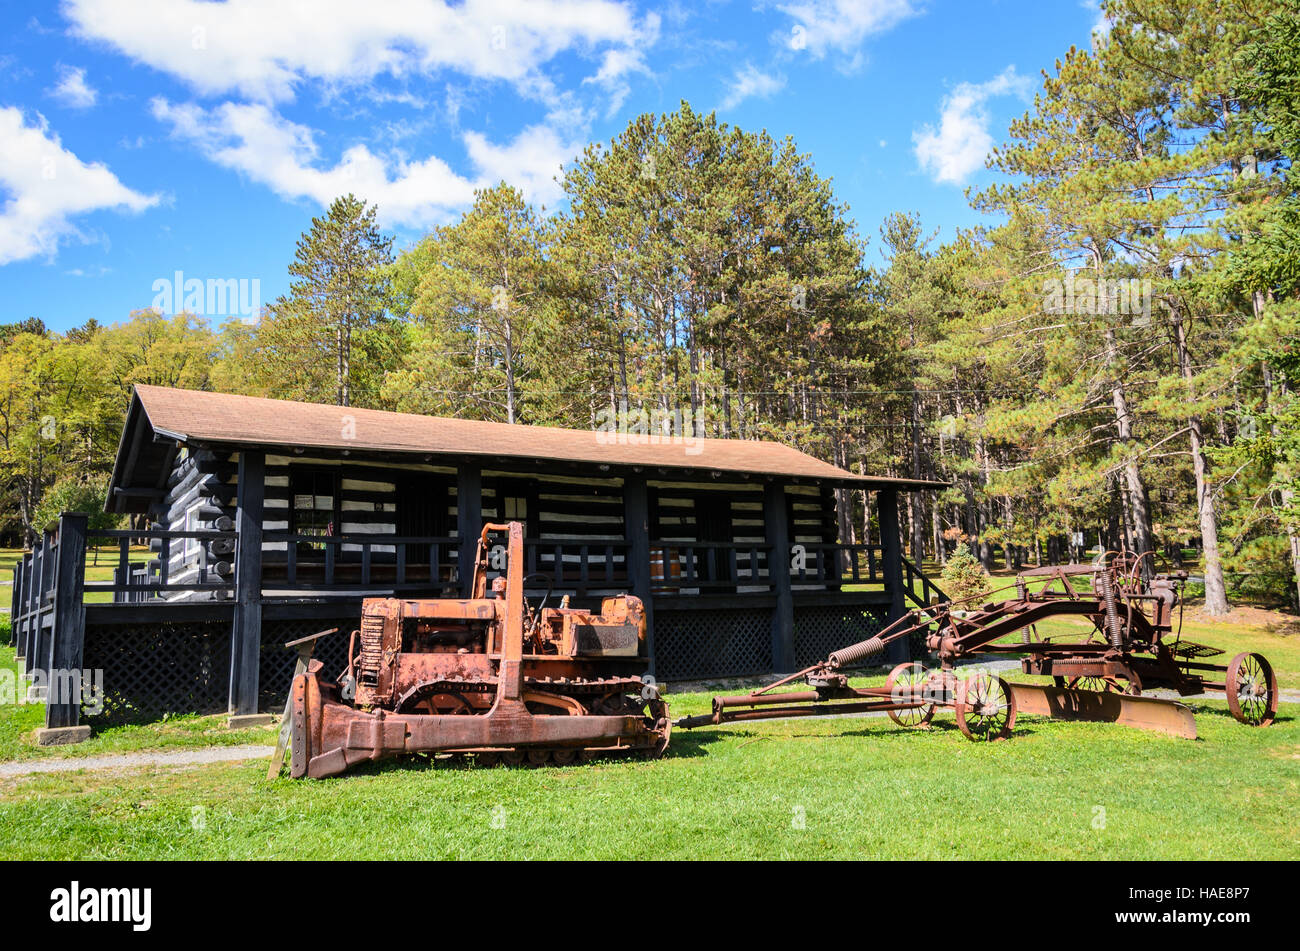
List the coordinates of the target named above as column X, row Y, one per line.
column 498, row 679
column 1099, row 674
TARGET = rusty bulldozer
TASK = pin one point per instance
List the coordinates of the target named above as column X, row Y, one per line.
column 1098, row 674
column 490, row 676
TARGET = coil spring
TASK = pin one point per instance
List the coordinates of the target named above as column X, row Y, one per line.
column 1113, row 633
column 855, row 652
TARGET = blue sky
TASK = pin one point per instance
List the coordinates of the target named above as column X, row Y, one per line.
column 139, row 138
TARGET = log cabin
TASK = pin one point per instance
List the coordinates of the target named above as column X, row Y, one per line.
column 267, row 519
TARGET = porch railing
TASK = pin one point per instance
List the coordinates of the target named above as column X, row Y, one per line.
column 341, row 563
column 31, row 610
column 295, row 565
column 592, row 564
column 835, row 565
column 678, row 567
column 135, row 581
column 914, row 578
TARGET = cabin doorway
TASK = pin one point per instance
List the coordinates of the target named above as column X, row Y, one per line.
column 422, row 505
column 713, row 525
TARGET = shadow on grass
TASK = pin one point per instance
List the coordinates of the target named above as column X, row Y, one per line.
column 1225, row 713
column 682, row 747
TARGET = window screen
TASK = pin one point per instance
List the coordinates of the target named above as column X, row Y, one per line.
column 314, row 505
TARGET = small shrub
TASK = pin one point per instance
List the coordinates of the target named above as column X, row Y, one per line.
column 963, row 576
column 71, row 494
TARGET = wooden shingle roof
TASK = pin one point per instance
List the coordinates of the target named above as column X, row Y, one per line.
column 222, row 419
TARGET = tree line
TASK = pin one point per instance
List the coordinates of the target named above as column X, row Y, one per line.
column 1107, row 359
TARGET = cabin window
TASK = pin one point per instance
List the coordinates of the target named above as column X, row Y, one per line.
column 192, row 546
column 421, row 505
column 517, row 502
column 314, row 505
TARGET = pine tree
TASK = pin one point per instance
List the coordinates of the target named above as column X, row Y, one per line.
column 335, row 309
column 963, row 577
column 479, row 293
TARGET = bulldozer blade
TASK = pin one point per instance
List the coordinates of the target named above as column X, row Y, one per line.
column 1143, row 713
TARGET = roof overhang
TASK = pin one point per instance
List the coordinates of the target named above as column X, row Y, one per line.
column 160, row 420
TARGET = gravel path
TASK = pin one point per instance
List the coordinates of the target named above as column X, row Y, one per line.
column 211, row 754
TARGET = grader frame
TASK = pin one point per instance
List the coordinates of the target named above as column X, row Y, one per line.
column 1132, row 647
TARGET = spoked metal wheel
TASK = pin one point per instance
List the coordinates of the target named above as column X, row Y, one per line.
column 1097, row 684
column 1252, row 690
column 985, row 707
column 906, row 681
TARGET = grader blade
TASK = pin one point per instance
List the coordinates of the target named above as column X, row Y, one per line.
column 1142, row 713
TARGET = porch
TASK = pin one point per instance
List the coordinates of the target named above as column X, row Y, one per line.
column 214, row 640
column 264, row 520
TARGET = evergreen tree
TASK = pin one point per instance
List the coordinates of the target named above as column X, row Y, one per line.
column 335, row 311
column 478, row 290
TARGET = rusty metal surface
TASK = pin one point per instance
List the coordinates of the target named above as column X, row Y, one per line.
column 1251, row 687
column 489, row 675
column 1145, row 713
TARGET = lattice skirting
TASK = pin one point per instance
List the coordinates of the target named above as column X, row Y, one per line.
column 822, row 629
column 158, row 668
column 277, row 660
column 691, row 645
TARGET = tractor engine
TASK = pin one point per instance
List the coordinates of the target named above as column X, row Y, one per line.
column 407, row 649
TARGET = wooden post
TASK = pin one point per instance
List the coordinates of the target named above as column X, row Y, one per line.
column 16, row 603
column 636, row 530
column 469, row 521
column 63, row 688
column 23, row 639
column 891, row 565
column 776, row 520
column 246, row 632
column 38, row 637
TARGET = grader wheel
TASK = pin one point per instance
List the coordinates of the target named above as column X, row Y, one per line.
column 1095, row 684
column 1252, row 690
column 985, row 708
column 904, row 680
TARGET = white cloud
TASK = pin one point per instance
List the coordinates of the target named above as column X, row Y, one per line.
column 750, row 81
column 531, row 161
column 1100, row 23
column 263, row 49
column 962, row 142
column 616, row 66
column 822, row 26
column 256, row 141
column 72, row 89
column 46, row 186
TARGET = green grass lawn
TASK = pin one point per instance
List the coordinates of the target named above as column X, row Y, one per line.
column 834, row 788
